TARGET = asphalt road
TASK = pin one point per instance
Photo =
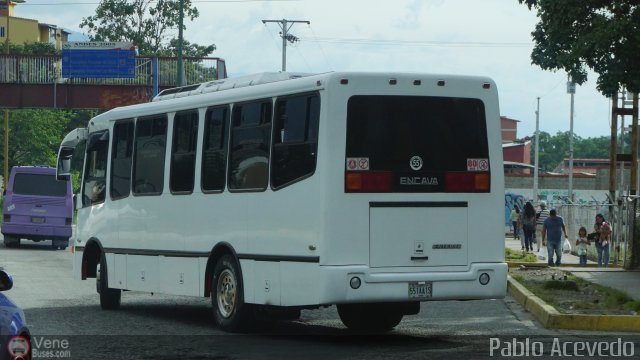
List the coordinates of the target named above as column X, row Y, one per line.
column 67, row 313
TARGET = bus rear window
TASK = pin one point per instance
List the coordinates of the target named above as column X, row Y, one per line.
column 416, row 144
column 39, row 185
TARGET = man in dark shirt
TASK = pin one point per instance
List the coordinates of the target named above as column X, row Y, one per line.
column 553, row 227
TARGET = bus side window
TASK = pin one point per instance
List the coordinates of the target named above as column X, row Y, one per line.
column 214, row 149
column 121, row 157
column 250, row 139
column 295, row 139
column 183, row 152
column 150, row 145
column 95, row 173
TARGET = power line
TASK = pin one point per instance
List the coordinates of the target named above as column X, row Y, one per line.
column 321, row 48
column 356, row 41
column 194, row 1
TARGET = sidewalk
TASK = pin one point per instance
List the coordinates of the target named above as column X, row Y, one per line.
column 627, row 281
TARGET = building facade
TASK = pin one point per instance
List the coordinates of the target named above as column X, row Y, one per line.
column 21, row 30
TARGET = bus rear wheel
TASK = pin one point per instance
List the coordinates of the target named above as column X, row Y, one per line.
column 109, row 298
column 59, row 243
column 370, row 317
column 227, row 296
column 11, row 241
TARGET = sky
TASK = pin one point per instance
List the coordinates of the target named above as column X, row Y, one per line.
column 463, row 37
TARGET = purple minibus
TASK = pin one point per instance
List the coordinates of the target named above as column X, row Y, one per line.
column 37, row 207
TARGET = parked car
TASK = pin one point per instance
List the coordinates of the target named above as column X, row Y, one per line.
column 37, row 207
column 15, row 339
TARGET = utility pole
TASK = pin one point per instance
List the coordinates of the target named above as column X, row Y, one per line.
column 536, row 150
column 633, row 186
column 180, row 39
column 632, row 244
column 6, row 111
column 286, row 25
column 571, row 89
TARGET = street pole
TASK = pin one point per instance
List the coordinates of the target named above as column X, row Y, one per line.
column 536, row 150
column 286, row 25
column 571, row 89
column 632, row 236
column 180, row 39
column 5, row 174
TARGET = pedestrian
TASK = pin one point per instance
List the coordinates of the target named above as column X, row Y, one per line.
column 528, row 221
column 515, row 214
column 541, row 216
column 581, row 242
column 552, row 230
column 603, row 240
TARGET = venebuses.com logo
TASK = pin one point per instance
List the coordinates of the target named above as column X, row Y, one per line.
column 38, row 347
column 18, row 347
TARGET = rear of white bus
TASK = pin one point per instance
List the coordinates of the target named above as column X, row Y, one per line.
column 416, row 191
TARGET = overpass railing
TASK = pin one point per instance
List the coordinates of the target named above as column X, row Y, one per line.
column 47, row 69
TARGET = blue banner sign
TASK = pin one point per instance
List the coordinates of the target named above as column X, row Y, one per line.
column 98, row 60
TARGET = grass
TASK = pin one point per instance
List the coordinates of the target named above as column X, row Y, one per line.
column 574, row 289
column 519, row 256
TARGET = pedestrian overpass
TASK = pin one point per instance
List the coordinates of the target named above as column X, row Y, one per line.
column 34, row 81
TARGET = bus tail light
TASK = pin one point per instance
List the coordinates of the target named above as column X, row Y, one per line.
column 467, row 182
column 7, row 218
column 368, row 181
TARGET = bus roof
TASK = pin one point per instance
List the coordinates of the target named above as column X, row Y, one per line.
column 35, row 169
column 264, row 85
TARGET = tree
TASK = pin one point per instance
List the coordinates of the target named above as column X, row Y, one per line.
column 35, row 135
column 603, row 35
column 553, row 149
column 145, row 22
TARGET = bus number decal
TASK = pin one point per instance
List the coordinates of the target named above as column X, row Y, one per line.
column 477, row 164
column 358, row 164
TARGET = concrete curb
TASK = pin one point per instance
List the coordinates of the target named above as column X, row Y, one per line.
column 552, row 319
column 515, row 264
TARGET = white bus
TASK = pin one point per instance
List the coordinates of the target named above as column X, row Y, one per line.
column 280, row 192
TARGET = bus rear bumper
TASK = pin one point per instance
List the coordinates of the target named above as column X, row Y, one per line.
column 38, row 232
column 387, row 286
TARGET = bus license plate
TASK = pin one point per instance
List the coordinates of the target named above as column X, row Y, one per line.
column 37, row 220
column 420, row 290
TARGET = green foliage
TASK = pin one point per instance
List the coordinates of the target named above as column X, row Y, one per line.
column 518, row 256
column 188, row 49
column 75, row 180
column 34, row 48
column 579, row 34
column 552, row 149
column 145, row 22
column 35, row 135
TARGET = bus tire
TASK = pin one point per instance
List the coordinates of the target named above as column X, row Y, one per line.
column 109, row 298
column 227, row 296
column 11, row 241
column 59, row 243
column 370, row 317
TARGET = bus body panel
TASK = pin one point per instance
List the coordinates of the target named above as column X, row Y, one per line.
column 36, row 205
column 301, row 245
